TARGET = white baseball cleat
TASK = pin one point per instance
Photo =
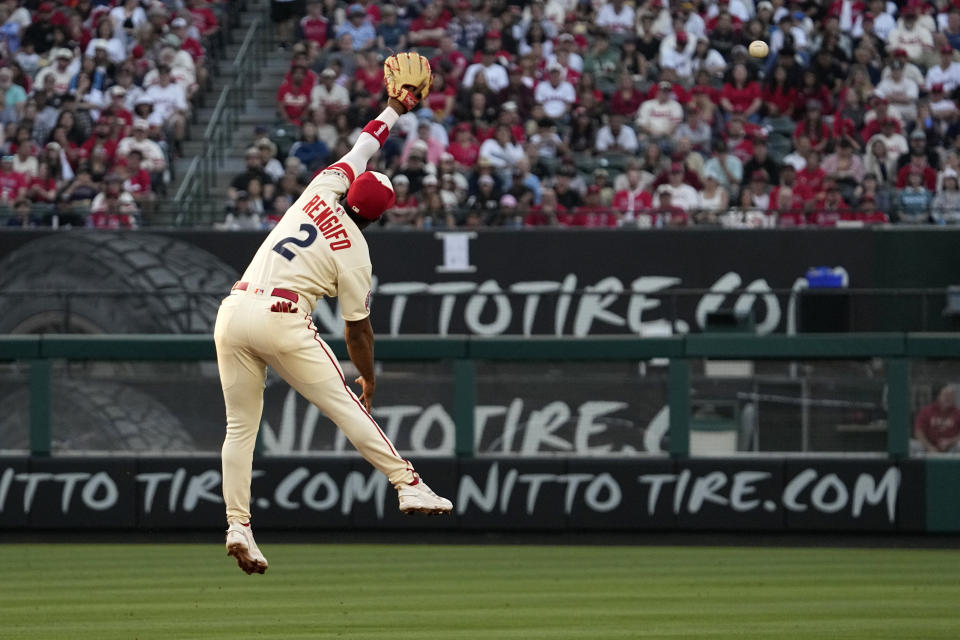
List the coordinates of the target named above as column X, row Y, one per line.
column 417, row 497
column 241, row 545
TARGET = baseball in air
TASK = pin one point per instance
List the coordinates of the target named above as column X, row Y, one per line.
column 759, row 49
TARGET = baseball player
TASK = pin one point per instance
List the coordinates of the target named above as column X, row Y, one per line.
column 317, row 249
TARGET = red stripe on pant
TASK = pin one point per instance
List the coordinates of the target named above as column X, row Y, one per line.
column 311, row 327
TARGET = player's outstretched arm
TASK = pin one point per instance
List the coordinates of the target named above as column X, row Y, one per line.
column 407, row 78
column 358, row 334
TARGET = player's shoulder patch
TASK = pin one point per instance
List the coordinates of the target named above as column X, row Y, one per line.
column 341, row 168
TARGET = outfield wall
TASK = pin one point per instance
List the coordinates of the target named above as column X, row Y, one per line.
column 580, row 488
column 528, row 282
column 507, row 494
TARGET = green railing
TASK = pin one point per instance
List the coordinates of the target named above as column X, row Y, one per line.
column 194, row 193
column 894, row 348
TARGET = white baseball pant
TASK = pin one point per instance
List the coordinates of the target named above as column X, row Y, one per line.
column 249, row 337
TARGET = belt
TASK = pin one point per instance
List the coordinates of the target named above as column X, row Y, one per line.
column 278, row 292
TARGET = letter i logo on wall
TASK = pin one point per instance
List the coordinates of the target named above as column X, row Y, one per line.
column 456, row 251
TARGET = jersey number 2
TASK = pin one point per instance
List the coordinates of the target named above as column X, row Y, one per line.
column 300, row 242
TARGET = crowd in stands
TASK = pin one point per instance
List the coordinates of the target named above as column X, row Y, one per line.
column 96, row 97
column 609, row 113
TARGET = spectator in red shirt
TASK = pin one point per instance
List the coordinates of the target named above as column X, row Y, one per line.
column 12, row 184
column 779, row 97
column 203, row 18
column 592, row 213
column 918, row 161
column 43, row 187
column 830, row 207
column 741, row 93
column 547, row 213
column 843, row 129
column 449, row 61
column 101, row 138
column 739, row 143
column 442, row 98
column 676, row 90
column 810, row 178
column 626, row 100
column 867, row 212
column 493, row 41
column 813, row 126
column 936, row 428
column 811, row 88
column 430, row 27
column 372, row 9
column 689, row 176
column 789, row 211
column 117, row 107
column 293, row 96
column 666, row 214
column 510, row 116
column 855, row 9
column 181, row 28
column 465, row 149
column 112, row 213
column 405, row 207
column 301, row 58
column 634, row 198
column 369, row 76
column 136, row 179
column 788, row 180
column 315, row 26
column 724, row 29
column 881, row 114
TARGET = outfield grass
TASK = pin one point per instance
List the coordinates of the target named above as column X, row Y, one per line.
column 102, row 592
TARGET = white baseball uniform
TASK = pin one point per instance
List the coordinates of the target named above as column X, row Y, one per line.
column 315, row 250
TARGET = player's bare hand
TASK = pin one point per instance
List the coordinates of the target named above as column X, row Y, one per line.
column 367, row 386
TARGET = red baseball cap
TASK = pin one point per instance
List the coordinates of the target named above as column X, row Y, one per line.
column 370, row 195
column 937, row 87
column 946, row 49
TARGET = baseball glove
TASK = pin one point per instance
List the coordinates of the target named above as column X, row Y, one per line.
column 407, row 77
